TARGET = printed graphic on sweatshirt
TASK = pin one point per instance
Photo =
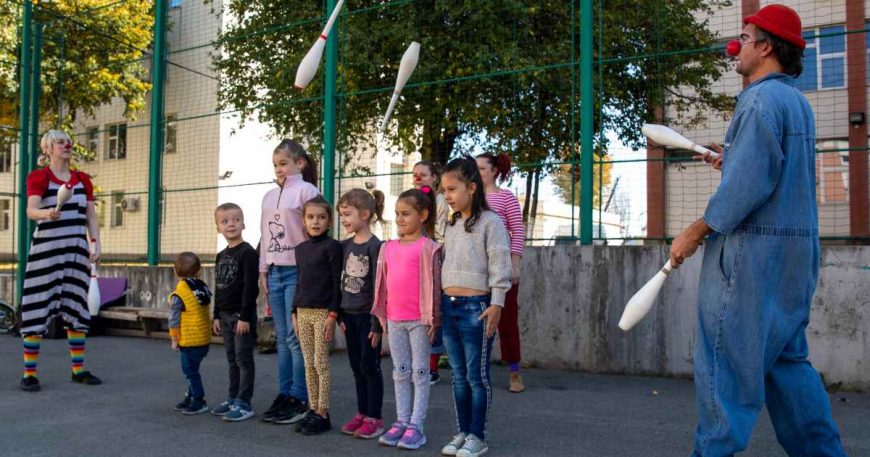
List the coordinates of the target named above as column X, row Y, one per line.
column 355, row 270
column 278, row 236
column 225, row 271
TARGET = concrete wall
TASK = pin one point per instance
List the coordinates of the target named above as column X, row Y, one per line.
column 571, row 298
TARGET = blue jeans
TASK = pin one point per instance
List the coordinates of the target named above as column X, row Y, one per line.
column 191, row 358
column 468, row 350
column 753, row 309
column 291, row 367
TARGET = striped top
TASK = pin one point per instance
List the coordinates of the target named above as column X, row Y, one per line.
column 505, row 204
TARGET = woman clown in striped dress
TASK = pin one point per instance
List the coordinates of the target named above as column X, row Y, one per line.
column 57, row 276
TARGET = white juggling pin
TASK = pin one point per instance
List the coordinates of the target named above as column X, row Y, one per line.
column 666, row 136
column 308, row 67
column 406, row 67
column 642, row 301
column 94, row 293
column 64, row 193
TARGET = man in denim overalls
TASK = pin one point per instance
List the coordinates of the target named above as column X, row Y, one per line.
column 762, row 258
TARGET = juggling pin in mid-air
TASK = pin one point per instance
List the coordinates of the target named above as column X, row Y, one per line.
column 666, row 136
column 642, row 300
column 308, row 67
column 94, row 293
column 64, row 193
column 406, row 67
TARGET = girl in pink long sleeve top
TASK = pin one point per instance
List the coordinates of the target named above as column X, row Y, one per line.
column 281, row 230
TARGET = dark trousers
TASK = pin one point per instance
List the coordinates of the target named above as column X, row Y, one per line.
column 509, row 327
column 365, row 361
column 240, row 357
column 191, row 359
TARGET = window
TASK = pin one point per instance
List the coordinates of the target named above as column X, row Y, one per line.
column 116, row 141
column 5, row 158
column 824, row 59
column 100, row 206
column 92, row 139
column 117, row 209
column 175, row 3
column 170, row 134
column 397, row 179
column 5, row 214
column 832, row 171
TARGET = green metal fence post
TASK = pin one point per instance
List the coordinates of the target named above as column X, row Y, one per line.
column 35, row 93
column 587, row 107
column 23, row 146
column 329, row 102
column 158, row 79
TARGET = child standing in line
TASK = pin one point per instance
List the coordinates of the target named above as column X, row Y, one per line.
column 359, row 209
column 281, row 231
column 407, row 288
column 189, row 319
column 476, row 277
column 235, row 317
column 428, row 173
column 316, row 309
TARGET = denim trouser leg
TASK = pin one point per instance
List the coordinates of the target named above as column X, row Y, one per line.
column 291, row 367
column 753, row 308
column 468, row 350
column 191, row 359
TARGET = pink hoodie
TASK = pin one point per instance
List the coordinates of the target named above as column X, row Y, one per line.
column 430, row 285
column 281, row 227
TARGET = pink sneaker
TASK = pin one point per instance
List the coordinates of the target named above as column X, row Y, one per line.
column 371, row 428
column 353, row 425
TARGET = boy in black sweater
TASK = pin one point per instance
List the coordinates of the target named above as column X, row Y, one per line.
column 235, row 317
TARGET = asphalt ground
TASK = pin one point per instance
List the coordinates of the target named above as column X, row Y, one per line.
column 562, row 413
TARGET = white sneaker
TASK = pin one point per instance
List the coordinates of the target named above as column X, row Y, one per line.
column 454, row 445
column 473, row 447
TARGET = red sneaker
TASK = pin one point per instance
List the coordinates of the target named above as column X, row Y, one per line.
column 353, row 425
column 371, row 428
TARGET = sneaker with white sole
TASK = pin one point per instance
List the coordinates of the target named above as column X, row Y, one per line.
column 454, row 445
column 393, row 434
column 239, row 412
column 222, row 408
column 473, row 447
column 413, row 438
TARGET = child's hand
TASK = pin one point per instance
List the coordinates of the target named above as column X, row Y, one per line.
column 343, row 327
column 330, row 329
column 492, row 315
column 376, row 338
column 295, row 325
column 175, row 344
column 432, row 330
column 264, row 284
column 243, row 328
column 216, row 326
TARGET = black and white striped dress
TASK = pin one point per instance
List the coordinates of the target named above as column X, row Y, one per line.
column 57, row 276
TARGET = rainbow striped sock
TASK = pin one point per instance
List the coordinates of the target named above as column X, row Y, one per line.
column 31, row 354
column 76, row 350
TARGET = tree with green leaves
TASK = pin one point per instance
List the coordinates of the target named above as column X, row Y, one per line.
column 494, row 75
column 92, row 52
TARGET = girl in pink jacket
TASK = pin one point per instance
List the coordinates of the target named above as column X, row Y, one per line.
column 407, row 290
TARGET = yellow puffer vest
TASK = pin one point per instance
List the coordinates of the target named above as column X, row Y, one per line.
column 195, row 319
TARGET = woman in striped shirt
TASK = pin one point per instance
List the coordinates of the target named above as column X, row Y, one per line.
column 495, row 169
column 56, row 280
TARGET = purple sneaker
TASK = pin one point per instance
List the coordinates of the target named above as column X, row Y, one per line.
column 394, row 434
column 413, row 438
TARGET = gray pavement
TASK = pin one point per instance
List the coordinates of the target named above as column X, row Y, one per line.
column 561, row 414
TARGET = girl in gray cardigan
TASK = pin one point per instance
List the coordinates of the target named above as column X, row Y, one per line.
column 475, row 277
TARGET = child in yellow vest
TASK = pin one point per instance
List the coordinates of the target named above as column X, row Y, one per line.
column 190, row 328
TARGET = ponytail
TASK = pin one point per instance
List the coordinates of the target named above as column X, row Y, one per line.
column 502, row 164
column 362, row 200
column 295, row 151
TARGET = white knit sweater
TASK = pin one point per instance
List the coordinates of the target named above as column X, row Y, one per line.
column 479, row 260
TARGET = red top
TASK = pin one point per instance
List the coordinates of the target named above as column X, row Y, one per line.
column 505, row 204
column 37, row 182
